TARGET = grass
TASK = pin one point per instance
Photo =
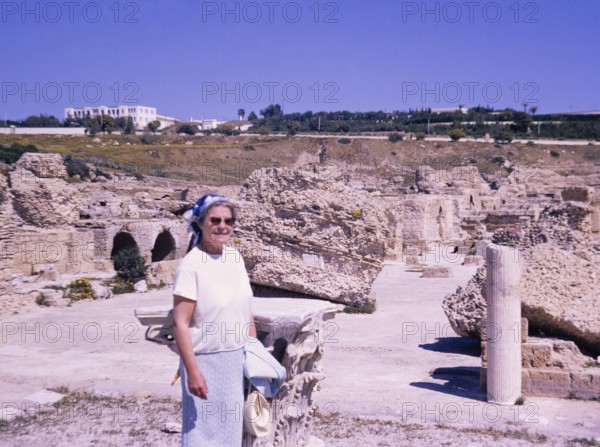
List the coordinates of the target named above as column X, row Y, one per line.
column 218, row 160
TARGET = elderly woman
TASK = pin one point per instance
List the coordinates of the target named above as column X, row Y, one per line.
column 213, row 318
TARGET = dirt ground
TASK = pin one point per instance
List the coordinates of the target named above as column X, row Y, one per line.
column 397, row 377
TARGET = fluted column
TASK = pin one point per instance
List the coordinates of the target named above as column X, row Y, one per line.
column 503, row 325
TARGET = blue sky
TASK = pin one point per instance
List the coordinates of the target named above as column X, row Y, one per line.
column 210, row 58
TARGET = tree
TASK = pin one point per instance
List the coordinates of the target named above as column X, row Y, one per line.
column 130, row 264
column 252, row 116
column 393, row 137
column 41, row 121
column 503, row 137
column 241, row 114
column 188, row 129
column 129, row 127
column 521, row 122
column 293, row 127
column 153, row 126
column 101, row 123
column 273, row 110
column 228, row 129
column 456, row 134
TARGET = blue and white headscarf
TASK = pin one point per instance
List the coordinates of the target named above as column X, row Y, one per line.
column 198, row 211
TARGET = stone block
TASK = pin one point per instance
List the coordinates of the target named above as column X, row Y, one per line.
column 473, row 260
column 101, row 291
column 549, row 383
column 437, row 272
column 141, row 286
column 586, row 385
column 50, row 275
column 536, row 355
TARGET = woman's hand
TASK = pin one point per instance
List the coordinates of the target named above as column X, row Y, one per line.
column 197, row 384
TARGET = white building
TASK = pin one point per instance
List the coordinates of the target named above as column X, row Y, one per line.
column 205, row 124
column 142, row 115
column 166, row 121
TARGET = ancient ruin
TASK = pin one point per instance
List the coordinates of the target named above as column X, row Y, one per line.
column 314, row 230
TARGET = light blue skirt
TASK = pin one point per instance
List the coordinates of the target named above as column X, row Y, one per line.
column 217, row 421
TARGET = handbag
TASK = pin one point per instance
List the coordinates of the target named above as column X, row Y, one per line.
column 266, row 375
column 257, row 415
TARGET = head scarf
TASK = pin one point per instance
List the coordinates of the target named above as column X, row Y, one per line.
column 197, row 212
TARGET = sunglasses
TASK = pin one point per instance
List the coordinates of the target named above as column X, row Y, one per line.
column 217, row 220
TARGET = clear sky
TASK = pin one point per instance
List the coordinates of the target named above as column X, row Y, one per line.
column 192, row 58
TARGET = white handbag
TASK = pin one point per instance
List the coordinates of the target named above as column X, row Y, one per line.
column 257, row 415
column 266, row 374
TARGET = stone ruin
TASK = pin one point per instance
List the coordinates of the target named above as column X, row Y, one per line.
column 559, row 286
column 317, row 231
column 303, row 232
column 311, row 230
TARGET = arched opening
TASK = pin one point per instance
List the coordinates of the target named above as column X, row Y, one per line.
column 122, row 242
column 164, row 247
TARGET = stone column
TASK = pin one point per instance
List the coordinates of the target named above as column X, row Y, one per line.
column 503, row 325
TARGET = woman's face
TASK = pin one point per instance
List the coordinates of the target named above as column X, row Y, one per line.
column 215, row 230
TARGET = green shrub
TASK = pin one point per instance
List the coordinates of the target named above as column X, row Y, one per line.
column 394, row 137
column 81, row 289
column 344, row 141
column 420, row 136
column 76, row 167
column 367, row 308
column 554, row 154
column 456, row 134
column 10, row 154
column 248, row 148
column 119, row 285
column 503, row 137
column 129, row 264
column 148, row 138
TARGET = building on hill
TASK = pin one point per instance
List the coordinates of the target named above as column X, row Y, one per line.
column 142, row 115
column 205, row 124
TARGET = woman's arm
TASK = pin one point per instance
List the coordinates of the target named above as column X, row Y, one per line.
column 183, row 310
column 252, row 329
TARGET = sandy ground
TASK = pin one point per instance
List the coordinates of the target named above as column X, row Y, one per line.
column 397, row 377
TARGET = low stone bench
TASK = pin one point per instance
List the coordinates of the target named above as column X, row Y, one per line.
column 294, row 331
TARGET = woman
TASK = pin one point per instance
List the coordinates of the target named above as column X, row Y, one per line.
column 213, row 318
